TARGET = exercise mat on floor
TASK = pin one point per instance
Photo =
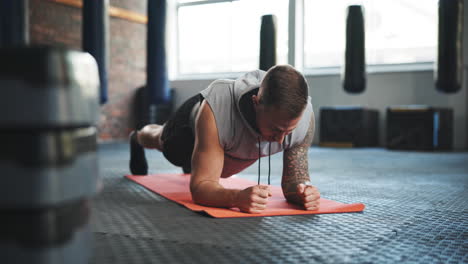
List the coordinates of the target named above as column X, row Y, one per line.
column 175, row 187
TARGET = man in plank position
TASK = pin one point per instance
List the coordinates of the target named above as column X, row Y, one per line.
column 230, row 125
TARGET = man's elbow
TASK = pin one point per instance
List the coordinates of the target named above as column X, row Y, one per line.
column 195, row 194
column 198, row 194
column 197, row 198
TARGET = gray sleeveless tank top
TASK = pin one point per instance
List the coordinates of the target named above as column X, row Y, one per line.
column 238, row 139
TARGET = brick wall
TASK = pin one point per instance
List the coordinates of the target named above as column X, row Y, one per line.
column 58, row 24
column 137, row 6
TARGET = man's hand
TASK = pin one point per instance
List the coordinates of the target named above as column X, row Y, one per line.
column 253, row 199
column 309, row 195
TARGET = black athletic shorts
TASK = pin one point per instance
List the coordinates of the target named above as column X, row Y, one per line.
column 177, row 136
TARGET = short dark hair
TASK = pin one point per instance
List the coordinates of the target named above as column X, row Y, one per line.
column 286, row 89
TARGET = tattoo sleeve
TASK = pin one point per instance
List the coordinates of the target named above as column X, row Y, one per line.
column 295, row 165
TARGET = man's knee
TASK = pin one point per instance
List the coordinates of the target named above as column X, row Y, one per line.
column 150, row 136
column 152, row 128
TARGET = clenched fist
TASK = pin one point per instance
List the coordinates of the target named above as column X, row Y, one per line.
column 253, row 199
column 309, row 195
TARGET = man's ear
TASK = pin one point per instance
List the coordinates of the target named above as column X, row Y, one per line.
column 255, row 100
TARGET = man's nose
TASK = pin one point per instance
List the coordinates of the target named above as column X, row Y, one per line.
column 280, row 137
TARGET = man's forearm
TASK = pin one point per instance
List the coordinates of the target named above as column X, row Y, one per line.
column 296, row 166
column 210, row 193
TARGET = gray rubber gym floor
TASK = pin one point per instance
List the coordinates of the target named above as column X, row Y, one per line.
column 416, row 212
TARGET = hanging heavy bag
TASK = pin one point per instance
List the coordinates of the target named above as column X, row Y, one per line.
column 354, row 72
column 449, row 65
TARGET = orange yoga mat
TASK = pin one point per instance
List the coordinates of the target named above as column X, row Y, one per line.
column 175, row 187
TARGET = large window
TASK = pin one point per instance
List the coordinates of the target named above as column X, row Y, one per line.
column 219, row 36
column 397, row 31
column 225, row 36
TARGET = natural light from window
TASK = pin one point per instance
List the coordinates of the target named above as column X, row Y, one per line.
column 397, row 31
column 225, row 37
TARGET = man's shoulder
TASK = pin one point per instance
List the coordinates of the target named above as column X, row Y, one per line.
column 217, row 86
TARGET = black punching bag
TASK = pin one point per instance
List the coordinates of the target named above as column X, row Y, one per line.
column 354, row 79
column 96, row 38
column 157, row 87
column 268, row 42
column 14, row 23
column 448, row 75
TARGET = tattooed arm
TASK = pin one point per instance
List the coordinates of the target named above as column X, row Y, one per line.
column 296, row 173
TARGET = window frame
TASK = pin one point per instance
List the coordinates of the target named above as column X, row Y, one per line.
column 295, row 49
